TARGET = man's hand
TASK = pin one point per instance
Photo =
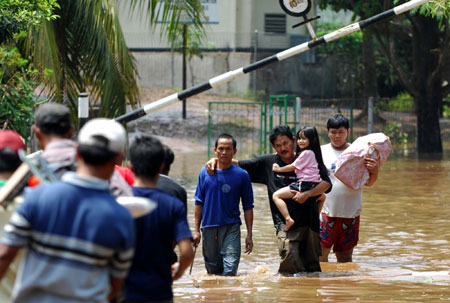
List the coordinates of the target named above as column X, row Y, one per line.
column 275, row 167
column 197, row 237
column 248, row 245
column 299, row 196
column 371, row 165
column 211, row 166
column 176, row 274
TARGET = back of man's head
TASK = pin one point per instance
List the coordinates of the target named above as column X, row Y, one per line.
column 279, row 131
column 146, row 155
column 100, row 141
column 169, row 157
column 10, row 143
column 338, row 121
column 53, row 119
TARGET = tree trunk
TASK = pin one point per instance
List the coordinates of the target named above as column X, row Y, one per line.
column 427, row 83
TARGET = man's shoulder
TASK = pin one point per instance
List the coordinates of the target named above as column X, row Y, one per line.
column 238, row 170
column 157, row 195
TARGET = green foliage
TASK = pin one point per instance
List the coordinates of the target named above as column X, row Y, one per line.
column 349, row 45
column 446, row 107
column 395, row 133
column 16, row 91
column 195, row 41
column 402, row 103
column 18, row 15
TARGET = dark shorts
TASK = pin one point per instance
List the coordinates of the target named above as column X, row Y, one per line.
column 302, row 185
column 340, row 233
column 299, row 250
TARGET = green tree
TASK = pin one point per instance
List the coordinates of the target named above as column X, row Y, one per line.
column 421, row 74
column 18, row 15
column 18, row 78
column 86, row 50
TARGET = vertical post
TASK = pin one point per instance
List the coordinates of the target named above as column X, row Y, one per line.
column 83, row 109
column 370, row 116
column 209, row 129
column 298, row 112
column 255, row 58
column 351, row 121
column 184, row 67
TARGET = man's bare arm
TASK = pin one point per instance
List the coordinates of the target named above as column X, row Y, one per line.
column 283, row 169
column 248, row 216
column 186, row 257
column 7, row 256
column 212, row 164
column 197, row 223
column 372, row 166
column 319, row 189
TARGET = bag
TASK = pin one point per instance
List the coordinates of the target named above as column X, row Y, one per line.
column 350, row 168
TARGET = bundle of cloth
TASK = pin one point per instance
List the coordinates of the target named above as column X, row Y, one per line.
column 350, row 168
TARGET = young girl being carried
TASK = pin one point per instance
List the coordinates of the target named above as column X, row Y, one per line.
column 308, row 167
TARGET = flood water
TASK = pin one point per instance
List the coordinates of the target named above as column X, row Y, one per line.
column 403, row 254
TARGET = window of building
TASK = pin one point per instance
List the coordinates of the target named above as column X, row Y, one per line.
column 275, row 23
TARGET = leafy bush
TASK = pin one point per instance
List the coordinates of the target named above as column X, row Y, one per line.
column 395, row 132
column 16, row 91
column 403, row 102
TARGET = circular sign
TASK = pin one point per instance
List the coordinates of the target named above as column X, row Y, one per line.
column 296, row 8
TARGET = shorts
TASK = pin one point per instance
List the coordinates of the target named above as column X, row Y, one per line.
column 299, row 250
column 341, row 233
column 302, row 185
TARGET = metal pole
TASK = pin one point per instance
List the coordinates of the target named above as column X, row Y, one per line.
column 184, row 68
column 370, row 116
column 255, row 58
column 298, row 112
column 83, row 109
column 237, row 73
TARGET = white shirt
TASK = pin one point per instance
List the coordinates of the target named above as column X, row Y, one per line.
column 342, row 201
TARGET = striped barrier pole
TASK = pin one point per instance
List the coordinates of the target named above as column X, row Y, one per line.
column 237, row 73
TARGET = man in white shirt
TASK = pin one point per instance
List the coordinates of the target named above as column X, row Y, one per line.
column 339, row 219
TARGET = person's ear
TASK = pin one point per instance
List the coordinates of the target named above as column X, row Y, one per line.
column 118, row 159
column 130, row 166
column 69, row 134
column 234, row 151
column 161, row 168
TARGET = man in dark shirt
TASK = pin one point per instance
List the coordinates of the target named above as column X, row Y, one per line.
column 165, row 183
column 299, row 248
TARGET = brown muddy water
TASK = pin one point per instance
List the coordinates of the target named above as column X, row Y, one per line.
column 403, row 254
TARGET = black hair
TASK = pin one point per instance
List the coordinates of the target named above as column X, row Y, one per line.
column 94, row 155
column 169, row 157
column 146, row 155
column 9, row 160
column 226, row 136
column 311, row 133
column 338, row 121
column 53, row 119
column 279, row 131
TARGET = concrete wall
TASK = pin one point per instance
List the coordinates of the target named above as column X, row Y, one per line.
column 238, row 20
column 293, row 76
column 164, row 69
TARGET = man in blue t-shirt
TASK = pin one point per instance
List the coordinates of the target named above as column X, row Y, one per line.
column 152, row 272
column 78, row 240
column 217, row 211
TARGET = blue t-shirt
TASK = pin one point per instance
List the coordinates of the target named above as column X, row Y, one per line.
column 76, row 236
column 150, row 277
column 220, row 195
